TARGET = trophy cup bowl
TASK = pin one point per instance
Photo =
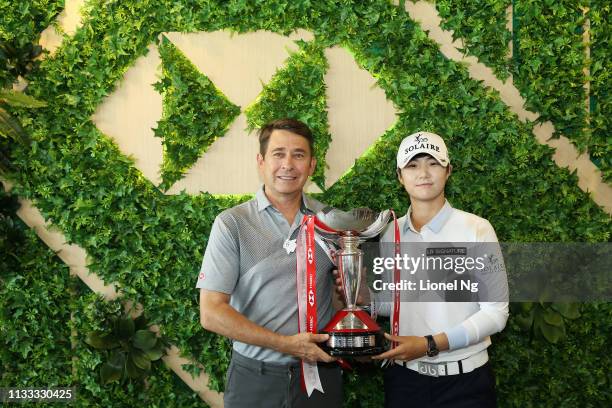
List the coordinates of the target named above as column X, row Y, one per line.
column 352, row 332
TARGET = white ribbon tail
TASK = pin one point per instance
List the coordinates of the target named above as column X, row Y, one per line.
column 311, row 377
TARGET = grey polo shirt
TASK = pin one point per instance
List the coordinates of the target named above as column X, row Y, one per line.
column 245, row 258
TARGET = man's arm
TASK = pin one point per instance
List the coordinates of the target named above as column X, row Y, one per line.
column 217, row 315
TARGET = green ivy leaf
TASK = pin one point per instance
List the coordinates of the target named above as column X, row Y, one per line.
column 525, row 321
column 10, row 128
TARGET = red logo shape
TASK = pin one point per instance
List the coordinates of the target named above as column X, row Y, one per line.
column 311, row 298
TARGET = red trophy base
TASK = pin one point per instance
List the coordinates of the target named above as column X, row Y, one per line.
column 353, row 333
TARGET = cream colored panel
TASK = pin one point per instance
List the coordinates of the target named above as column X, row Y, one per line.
column 359, row 112
column 238, row 63
column 130, row 113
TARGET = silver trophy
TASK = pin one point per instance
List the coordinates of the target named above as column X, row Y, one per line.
column 352, row 332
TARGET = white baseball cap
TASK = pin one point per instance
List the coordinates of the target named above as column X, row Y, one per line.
column 422, row 142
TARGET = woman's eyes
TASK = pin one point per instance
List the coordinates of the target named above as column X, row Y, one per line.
column 431, row 163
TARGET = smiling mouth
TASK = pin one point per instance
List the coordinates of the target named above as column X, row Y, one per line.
column 287, row 178
column 425, row 185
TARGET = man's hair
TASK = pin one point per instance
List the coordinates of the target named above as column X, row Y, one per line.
column 288, row 124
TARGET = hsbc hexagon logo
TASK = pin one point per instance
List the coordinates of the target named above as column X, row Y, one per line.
column 240, row 66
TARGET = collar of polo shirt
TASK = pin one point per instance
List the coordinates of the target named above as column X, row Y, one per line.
column 436, row 223
column 263, row 202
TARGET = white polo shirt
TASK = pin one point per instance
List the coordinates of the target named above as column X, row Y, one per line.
column 467, row 325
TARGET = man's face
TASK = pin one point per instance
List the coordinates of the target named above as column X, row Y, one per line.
column 424, row 178
column 287, row 163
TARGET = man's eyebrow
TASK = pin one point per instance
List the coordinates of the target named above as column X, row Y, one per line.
column 278, row 149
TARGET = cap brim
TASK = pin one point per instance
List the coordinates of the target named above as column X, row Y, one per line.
column 443, row 162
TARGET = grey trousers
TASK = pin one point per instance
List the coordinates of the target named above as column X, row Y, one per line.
column 253, row 383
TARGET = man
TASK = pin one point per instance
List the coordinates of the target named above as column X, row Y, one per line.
column 248, row 282
column 440, row 358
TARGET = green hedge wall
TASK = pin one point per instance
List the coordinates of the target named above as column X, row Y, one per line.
column 35, row 295
column 45, row 315
column 162, row 387
column 482, row 26
column 531, row 372
column 22, row 21
column 550, row 58
column 600, row 15
column 20, row 25
column 548, row 61
column 151, row 245
column 298, row 91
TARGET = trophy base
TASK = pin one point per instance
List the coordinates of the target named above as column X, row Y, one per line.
column 352, row 333
column 342, row 344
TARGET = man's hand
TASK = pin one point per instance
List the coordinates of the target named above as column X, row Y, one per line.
column 304, row 346
column 408, row 348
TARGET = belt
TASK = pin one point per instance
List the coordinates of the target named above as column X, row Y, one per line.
column 272, row 367
column 264, row 366
column 447, row 367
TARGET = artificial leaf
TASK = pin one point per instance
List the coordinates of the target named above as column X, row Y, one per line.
column 568, row 310
column 124, row 328
column 112, row 370
column 101, row 340
column 139, row 359
column 20, row 99
column 132, row 370
column 156, row 352
column 144, row 339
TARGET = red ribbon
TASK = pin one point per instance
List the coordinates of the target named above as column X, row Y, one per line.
column 396, row 279
column 309, row 295
column 311, row 277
